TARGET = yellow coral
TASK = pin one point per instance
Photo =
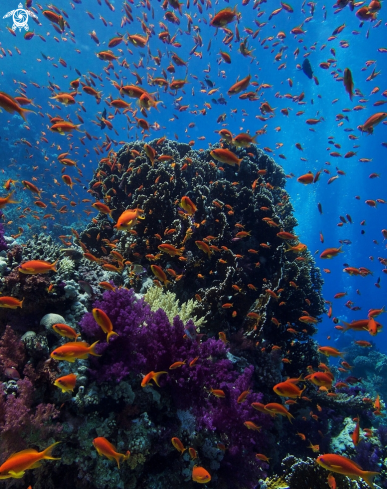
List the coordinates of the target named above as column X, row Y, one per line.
column 157, row 299
column 276, row 483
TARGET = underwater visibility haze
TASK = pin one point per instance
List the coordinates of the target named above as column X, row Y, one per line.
column 193, row 236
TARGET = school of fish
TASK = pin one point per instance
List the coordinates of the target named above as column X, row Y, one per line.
column 155, row 60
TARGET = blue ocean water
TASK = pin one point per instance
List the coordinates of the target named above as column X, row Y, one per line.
column 44, row 66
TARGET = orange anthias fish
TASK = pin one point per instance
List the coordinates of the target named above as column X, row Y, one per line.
column 288, row 389
column 187, row 204
column 10, row 302
column 239, row 86
column 66, row 383
column 128, row 219
column 306, row 179
column 372, row 121
column 252, row 426
column 329, row 351
column 170, row 249
column 10, row 105
column 35, row 267
column 160, row 274
column 321, row 379
column 152, row 376
column 7, row 200
column 345, row 466
column 275, row 408
column 65, row 331
column 72, row 351
column 178, row 445
column 332, row 482
column 104, row 447
column 62, row 127
column 330, row 252
column 16, row 465
column 226, row 156
column 200, row 475
column 102, row 319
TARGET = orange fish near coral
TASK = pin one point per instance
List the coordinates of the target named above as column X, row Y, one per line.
column 102, row 319
column 330, row 252
column 128, row 219
column 199, row 474
column 178, row 444
column 16, row 465
column 288, row 389
column 187, row 204
column 35, row 267
column 329, row 351
column 274, row 408
column 152, row 376
column 66, row 383
column 10, row 302
column 7, row 200
column 160, row 274
column 226, row 156
column 105, row 448
column 345, row 466
column 72, row 351
column 65, row 331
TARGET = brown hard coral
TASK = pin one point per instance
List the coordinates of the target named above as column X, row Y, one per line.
column 231, row 251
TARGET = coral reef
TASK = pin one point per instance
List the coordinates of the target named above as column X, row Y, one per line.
column 233, row 317
column 304, row 474
column 238, row 217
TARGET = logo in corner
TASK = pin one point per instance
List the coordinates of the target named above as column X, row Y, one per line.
column 20, row 17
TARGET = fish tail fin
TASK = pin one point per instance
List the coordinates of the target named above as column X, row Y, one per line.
column 126, row 456
column 23, row 111
column 156, row 377
column 289, row 416
column 347, row 326
column 112, row 333
column 92, row 350
column 21, row 303
column 10, row 200
column 368, row 477
column 47, row 453
column 53, row 266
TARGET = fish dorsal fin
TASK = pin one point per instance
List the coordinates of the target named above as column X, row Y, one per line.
column 23, row 452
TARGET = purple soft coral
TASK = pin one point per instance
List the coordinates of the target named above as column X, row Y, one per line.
column 147, row 341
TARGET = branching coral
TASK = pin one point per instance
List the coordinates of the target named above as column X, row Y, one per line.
column 158, row 299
